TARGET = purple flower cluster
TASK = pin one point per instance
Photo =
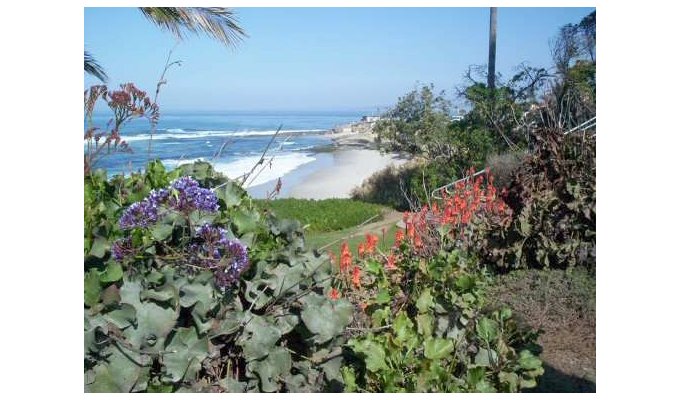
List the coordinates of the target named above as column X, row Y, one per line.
column 145, row 212
column 184, row 195
column 213, row 250
column 187, row 196
column 122, row 248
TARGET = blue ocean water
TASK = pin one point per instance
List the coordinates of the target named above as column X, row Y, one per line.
column 232, row 141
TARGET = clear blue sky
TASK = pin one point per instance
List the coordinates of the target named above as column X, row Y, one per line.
column 319, row 58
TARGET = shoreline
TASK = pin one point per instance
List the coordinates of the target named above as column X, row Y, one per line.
column 339, row 167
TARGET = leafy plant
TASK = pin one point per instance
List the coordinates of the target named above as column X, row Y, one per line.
column 172, row 303
column 466, row 212
column 425, row 329
column 423, row 325
column 553, row 201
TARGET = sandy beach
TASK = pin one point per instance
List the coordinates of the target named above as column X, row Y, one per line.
column 349, row 169
column 352, row 157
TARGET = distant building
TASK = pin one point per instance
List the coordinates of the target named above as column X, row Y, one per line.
column 367, row 118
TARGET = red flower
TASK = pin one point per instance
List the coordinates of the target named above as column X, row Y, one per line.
column 356, row 276
column 361, row 250
column 418, row 241
column 389, row 265
column 371, row 242
column 345, row 257
column 398, row 237
column 334, row 294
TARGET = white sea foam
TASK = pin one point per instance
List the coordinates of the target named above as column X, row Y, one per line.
column 280, row 166
column 180, row 134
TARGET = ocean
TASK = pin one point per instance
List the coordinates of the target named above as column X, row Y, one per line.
column 232, row 141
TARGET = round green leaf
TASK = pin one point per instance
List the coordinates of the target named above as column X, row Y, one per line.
column 92, row 288
column 487, row 329
column 325, row 318
column 112, row 273
column 437, row 348
column 425, row 301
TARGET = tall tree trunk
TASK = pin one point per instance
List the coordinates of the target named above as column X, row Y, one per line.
column 491, row 78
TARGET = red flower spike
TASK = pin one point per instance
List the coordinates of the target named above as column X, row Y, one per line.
column 390, row 265
column 345, row 257
column 398, row 237
column 356, row 276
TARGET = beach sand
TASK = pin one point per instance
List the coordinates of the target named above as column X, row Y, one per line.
column 355, row 158
column 337, row 170
column 349, row 169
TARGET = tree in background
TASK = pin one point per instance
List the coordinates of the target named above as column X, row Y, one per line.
column 502, row 110
column 220, row 23
column 417, row 124
column 571, row 100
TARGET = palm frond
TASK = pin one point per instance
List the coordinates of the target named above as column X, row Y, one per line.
column 217, row 22
column 93, row 68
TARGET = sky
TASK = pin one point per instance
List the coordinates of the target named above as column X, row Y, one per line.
column 319, row 58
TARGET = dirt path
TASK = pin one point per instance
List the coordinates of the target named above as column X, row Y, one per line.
column 389, row 219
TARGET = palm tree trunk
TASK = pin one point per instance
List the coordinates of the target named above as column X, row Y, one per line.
column 491, row 78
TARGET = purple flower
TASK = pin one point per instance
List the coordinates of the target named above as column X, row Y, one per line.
column 212, row 235
column 236, row 255
column 184, row 195
column 122, row 248
column 158, row 196
column 213, row 250
column 238, row 258
column 139, row 215
column 145, row 212
column 187, row 196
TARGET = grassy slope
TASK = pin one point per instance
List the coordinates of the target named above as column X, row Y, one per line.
column 325, row 215
column 334, row 221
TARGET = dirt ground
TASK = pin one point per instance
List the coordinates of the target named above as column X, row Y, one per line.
column 561, row 306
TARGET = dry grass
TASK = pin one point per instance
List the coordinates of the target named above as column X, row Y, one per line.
column 388, row 185
column 503, row 166
column 561, row 305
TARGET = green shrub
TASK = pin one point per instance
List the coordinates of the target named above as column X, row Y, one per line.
column 390, row 186
column 159, row 316
column 417, row 124
column 425, row 329
column 425, row 324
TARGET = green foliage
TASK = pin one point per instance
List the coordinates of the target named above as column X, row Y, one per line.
column 435, row 336
column 502, row 110
column 553, row 202
column 420, row 124
column 417, row 124
column 154, row 324
column 323, row 215
column 389, row 186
